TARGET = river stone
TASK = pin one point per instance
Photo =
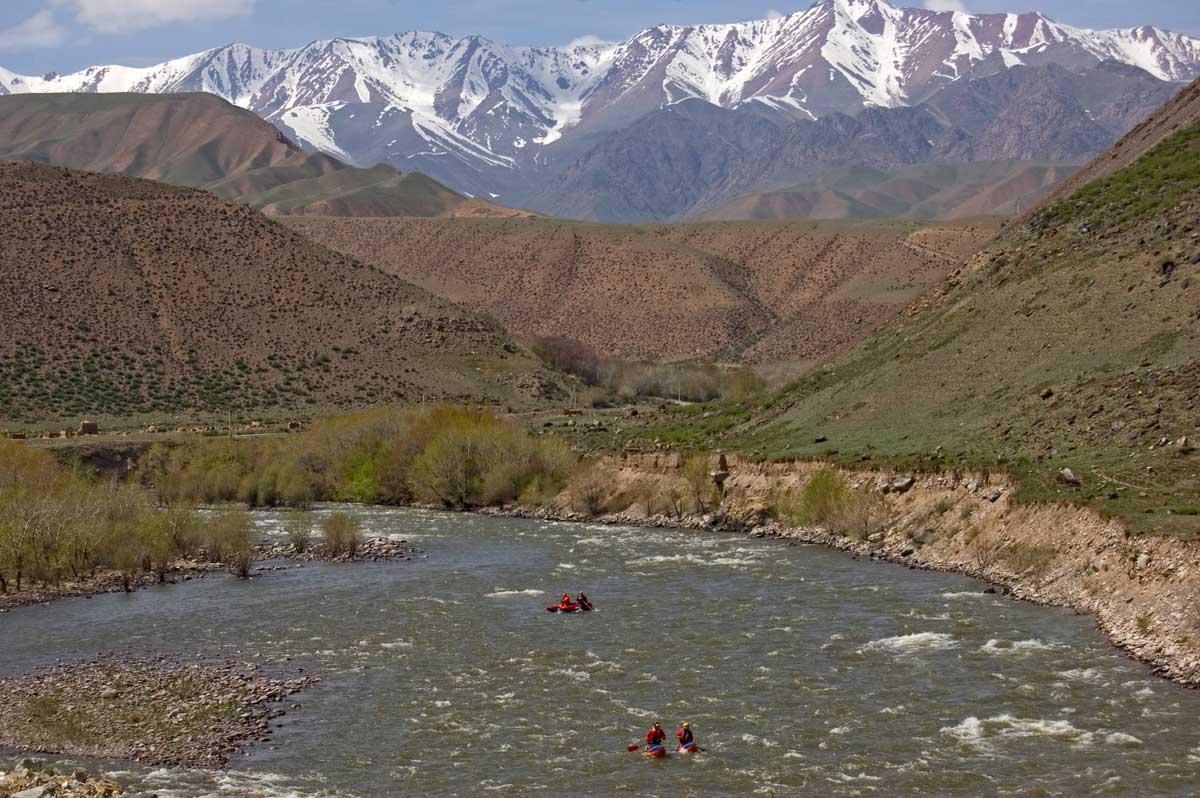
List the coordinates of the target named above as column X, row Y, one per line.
column 32, row 792
column 1067, row 477
column 902, row 484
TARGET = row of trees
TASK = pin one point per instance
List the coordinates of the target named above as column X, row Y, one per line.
column 450, row 456
column 692, row 382
column 56, row 525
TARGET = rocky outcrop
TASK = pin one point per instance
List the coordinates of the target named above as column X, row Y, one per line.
column 33, row 779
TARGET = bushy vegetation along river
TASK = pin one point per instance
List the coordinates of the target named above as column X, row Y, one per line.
column 803, row 672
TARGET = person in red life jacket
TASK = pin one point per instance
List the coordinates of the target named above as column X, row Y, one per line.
column 684, row 735
column 565, row 602
column 584, row 604
column 656, row 735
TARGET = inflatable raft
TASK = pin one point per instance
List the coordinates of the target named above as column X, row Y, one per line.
column 688, row 748
column 574, row 606
column 655, row 751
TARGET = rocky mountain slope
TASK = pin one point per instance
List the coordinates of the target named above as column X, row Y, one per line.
column 764, row 292
column 202, row 141
column 691, row 158
column 1066, row 351
column 130, row 296
column 491, row 119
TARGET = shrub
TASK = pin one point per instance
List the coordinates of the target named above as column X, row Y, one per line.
column 298, row 528
column 1145, row 622
column 569, row 356
column 342, row 533
column 826, row 500
column 743, row 385
column 1034, row 558
column 589, row 489
column 229, row 541
column 865, row 514
column 700, row 482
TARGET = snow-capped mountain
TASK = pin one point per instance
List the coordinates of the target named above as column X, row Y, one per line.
column 485, row 117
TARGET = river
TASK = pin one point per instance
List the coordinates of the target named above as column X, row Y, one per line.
column 804, row 672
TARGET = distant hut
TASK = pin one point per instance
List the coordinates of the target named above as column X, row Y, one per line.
column 89, row 428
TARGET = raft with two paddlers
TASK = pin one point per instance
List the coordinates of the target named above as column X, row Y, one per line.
column 570, row 606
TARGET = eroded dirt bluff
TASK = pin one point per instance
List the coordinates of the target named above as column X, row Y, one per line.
column 763, row 291
column 1143, row 591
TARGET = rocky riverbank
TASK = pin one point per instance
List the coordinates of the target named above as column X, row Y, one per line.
column 33, row 779
column 370, row 550
column 1143, row 591
column 157, row 711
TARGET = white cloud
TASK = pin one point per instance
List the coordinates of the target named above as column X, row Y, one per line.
column 773, row 14
column 40, row 30
column 946, row 5
column 125, row 16
column 586, row 41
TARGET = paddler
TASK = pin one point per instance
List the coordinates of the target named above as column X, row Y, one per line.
column 584, row 604
column 565, row 602
column 656, row 735
column 684, row 735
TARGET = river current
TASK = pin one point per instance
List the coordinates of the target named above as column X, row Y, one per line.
column 803, row 671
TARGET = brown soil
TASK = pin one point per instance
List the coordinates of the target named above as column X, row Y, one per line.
column 129, row 296
column 764, row 291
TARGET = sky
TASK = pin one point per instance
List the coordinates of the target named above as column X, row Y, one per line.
column 40, row 36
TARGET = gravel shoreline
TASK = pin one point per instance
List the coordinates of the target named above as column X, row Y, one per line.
column 156, row 711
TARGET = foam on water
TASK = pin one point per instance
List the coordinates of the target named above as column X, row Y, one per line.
column 913, row 643
column 973, row 730
column 995, row 646
column 502, row 593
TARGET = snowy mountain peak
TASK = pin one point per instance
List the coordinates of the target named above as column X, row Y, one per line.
column 462, row 108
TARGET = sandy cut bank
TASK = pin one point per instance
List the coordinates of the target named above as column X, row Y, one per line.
column 1143, row 591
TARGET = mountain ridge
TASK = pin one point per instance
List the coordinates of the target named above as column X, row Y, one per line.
column 487, row 118
column 202, row 141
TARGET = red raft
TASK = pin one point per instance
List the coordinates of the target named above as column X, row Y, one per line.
column 573, row 606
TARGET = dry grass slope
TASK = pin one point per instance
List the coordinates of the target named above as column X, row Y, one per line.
column 763, row 291
column 128, row 296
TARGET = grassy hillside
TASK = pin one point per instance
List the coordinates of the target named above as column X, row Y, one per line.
column 202, row 141
column 128, row 296
column 1071, row 342
column 762, row 291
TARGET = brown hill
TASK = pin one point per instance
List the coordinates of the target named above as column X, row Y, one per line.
column 130, row 296
column 925, row 191
column 767, row 292
column 202, row 141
